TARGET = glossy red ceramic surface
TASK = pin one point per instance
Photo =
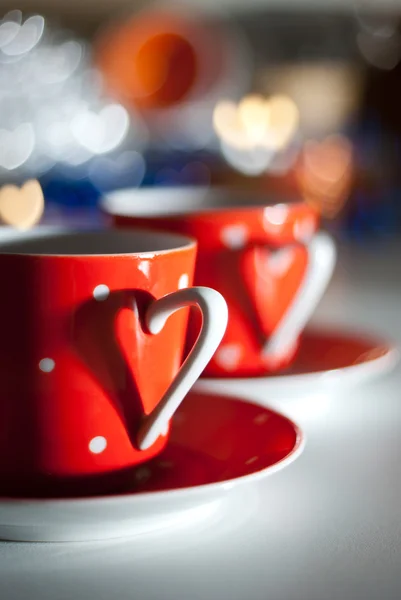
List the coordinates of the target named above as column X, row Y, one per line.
column 78, row 367
column 256, row 258
column 322, row 351
column 215, row 439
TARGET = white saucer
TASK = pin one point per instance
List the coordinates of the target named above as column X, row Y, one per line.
column 217, row 445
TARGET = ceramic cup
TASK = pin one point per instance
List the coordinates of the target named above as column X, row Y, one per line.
column 267, row 258
column 92, row 338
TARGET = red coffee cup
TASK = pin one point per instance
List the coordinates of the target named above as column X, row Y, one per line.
column 91, row 353
column 266, row 257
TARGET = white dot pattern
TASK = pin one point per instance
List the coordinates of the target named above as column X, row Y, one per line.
column 98, row 444
column 46, row 365
column 275, row 215
column 234, row 236
column 101, row 292
column 183, row 281
column 228, row 356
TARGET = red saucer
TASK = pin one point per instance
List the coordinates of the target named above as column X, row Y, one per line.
column 330, row 354
column 217, row 439
column 214, row 439
column 217, row 444
column 326, row 350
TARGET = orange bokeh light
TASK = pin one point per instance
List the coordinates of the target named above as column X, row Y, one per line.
column 159, row 59
column 324, row 174
column 150, row 60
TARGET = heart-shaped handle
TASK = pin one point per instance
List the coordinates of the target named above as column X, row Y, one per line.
column 214, row 322
column 321, row 260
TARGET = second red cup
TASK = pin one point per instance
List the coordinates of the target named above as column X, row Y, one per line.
column 266, row 258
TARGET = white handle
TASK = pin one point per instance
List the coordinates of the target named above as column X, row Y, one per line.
column 215, row 315
column 321, row 260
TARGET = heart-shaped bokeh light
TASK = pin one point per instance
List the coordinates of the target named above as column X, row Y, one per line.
column 256, row 122
column 255, row 130
column 21, row 207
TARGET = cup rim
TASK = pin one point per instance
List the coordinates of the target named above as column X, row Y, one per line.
column 176, row 242
column 124, row 202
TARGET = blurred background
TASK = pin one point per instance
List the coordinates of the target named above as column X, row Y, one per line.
column 287, row 97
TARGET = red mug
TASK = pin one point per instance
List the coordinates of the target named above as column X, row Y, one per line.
column 91, row 353
column 266, row 258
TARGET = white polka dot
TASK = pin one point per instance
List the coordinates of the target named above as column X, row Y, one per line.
column 234, row 236
column 275, row 216
column 304, row 229
column 261, row 419
column 46, row 365
column 183, row 281
column 228, row 356
column 98, row 444
column 251, row 460
column 101, row 292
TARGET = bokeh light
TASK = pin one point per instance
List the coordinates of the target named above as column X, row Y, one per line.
column 53, row 108
column 326, row 93
column 255, row 130
column 325, row 173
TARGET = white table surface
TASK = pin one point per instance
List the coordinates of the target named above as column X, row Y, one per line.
column 327, row 527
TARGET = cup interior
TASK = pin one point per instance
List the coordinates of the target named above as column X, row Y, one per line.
column 97, row 243
column 151, row 202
